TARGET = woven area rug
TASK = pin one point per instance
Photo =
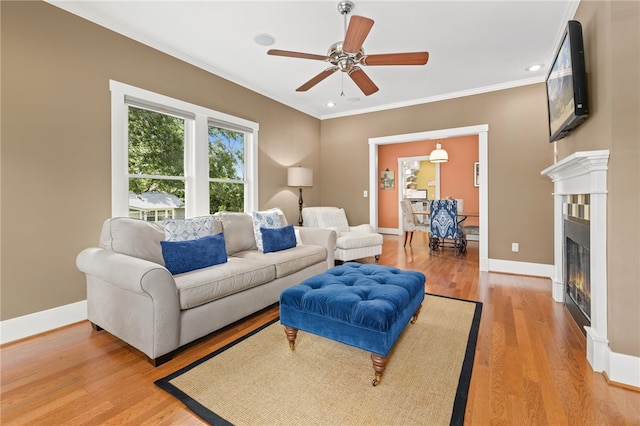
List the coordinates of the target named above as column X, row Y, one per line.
column 258, row 380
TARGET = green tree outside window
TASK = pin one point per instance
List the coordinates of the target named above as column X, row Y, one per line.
column 156, row 154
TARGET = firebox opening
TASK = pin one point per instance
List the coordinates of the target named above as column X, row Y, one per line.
column 577, row 297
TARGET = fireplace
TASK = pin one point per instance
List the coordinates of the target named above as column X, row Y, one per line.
column 577, row 264
column 580, row 215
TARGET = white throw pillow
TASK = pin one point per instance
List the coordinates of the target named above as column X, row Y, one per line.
column 334, row 219
column 188, row 229
column 265, row 219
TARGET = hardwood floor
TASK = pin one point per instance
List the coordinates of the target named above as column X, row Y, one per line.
column 530, row 365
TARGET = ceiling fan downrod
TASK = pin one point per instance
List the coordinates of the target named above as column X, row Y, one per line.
column 345, row 7
column 336, row 54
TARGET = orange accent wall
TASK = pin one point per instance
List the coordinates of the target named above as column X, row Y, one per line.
column 456, row 176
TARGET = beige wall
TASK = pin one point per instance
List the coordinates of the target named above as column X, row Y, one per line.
column 611, row 32
column 56, row 172
column 520, row 199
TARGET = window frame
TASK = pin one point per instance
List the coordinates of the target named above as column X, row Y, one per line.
column 196, row 168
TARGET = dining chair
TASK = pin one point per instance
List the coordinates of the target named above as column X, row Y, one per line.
column 410, row 222
column 444, row 226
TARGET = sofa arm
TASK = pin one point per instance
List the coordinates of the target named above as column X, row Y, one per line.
column 127, row 272
column 363, row 229
column 320, row 237
column 134, row 299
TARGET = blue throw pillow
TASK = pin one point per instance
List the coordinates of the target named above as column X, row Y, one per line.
column 185, row 256
column 276, row 239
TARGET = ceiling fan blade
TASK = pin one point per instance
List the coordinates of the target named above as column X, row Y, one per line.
column 317, row 79
column 410, row 58
column 358, row 29
column 291, row 54
column 363, row 81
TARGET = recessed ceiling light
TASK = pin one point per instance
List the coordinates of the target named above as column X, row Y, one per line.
column 330, row 104
column 534, row 67
column 264, row 39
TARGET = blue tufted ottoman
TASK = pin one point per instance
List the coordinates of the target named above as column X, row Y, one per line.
column 363, row 305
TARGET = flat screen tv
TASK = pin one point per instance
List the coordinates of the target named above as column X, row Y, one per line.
column 567, row 85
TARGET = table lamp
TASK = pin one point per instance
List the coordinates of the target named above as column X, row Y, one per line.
column 299, row 176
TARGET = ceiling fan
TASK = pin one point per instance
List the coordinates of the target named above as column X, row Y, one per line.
column 347, row 55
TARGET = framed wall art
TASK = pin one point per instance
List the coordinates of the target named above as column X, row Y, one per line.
column 387, row 179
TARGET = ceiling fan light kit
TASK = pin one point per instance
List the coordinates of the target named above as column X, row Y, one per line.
column 347, row 55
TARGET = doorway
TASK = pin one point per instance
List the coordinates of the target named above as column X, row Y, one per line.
column 419, row 182
column 482, row 131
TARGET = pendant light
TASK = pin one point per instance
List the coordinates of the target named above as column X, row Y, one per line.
column 438, row 155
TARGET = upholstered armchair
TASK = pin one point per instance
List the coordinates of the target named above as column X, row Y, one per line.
column 410, row 223
column 353, row 242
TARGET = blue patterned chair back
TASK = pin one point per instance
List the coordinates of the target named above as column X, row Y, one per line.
column 444, row 219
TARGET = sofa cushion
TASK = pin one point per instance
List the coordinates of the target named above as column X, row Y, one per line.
column 278, row 239
column 288, row 261
column 265, row 219
column 184, row 256
column 133, row 237
column 334, row 218
column 352, row 240
column 204, row 285
column 238, row 232
column 191, row 229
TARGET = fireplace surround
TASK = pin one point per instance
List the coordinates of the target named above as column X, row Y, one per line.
column 584, row 172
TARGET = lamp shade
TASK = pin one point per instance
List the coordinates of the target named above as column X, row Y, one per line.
column 299, row 176
column 438, row 155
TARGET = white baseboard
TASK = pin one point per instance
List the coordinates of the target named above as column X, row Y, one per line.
column 391, row 231
column 520, row 268
column 624, row 369
column 39, row 322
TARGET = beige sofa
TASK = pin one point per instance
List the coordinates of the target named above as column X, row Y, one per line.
column 132, row 295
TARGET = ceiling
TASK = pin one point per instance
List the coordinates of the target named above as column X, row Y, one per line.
column 474, row 46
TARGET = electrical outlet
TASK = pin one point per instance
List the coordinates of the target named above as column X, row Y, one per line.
column 365, row 194
column 514, row 247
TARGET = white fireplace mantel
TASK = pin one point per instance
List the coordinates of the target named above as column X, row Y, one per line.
column 585, row 172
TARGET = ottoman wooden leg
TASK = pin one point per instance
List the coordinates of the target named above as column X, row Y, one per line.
column 379, row 364
column 291, row 336
column 414, row 318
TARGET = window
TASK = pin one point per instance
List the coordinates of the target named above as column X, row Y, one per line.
column 155, row 157
column 173, row 159
column 226, row 169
